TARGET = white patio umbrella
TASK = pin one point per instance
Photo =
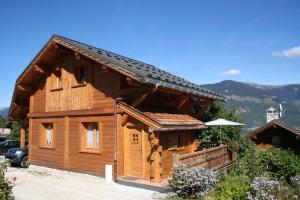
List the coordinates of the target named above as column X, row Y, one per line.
column 222, row 122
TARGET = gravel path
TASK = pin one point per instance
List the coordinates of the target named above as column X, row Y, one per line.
column 39, row 183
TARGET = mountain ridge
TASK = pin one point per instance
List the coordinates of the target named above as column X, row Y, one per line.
column 251, row 100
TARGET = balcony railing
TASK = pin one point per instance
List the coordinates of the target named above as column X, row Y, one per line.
column 216, row 158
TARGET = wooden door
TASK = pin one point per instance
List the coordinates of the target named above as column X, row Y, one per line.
column 134, row 152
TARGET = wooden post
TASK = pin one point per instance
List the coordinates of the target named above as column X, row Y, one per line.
column 30, row 140
column 175, row 159
column 66, row 142
column 22, row 138
column 157, row 160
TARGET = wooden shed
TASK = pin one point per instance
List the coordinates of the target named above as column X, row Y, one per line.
column 86, row 108
column 278, row 134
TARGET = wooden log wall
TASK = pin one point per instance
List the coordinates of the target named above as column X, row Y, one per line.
column 66, row 152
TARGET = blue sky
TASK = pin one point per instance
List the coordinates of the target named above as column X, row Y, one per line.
column 202, row 41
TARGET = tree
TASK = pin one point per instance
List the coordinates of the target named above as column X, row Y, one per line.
column 2, row 122
column 229, row 133
column 15, row 131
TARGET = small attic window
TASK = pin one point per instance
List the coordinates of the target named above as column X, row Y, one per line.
column 56, row 79
column 80, row 75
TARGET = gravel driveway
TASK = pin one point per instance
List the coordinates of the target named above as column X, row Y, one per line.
column 39, row 183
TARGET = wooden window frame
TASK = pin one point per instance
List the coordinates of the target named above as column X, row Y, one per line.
column 83, row 137
column 54, row 80
column 43, row 136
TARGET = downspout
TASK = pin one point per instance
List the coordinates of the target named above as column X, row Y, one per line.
column 115, row 140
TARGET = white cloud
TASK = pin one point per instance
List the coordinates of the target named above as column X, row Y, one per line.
column 289, row 53
column 231, row 72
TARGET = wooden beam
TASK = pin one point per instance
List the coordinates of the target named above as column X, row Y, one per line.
column 84, row 112
column 22, row 137
column 42, row 68
column 60, row 48
column 137, row 101
column 77, row 56
column 125, row 118
column 104, row 68
column 24, row 88
column 204, row 107
column 182, row 102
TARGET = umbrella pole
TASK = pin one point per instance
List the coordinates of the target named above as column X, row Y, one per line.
column 220, row 136
column 222, row 152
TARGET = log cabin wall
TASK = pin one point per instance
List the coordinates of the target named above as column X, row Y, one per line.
column 53, row 157
column 179, row 142
column 79, row 160
column 97, row 92
column 71, row 156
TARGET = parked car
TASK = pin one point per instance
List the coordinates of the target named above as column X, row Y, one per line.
column 18, row 156
column 8, row 144
column 3, row 139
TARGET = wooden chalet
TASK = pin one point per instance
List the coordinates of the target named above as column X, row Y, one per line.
column 85, row 108
column 276, row 133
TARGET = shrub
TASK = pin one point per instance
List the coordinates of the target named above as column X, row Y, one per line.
column 232, row 188
column 281, row 164
column 192, row 183
column 5, row 185
column 245, row 146
column 250, row 165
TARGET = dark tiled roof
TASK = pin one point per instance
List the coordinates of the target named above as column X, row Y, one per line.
column 270, row 125
column 149, row 73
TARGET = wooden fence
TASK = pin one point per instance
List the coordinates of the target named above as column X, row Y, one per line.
column 216, row 159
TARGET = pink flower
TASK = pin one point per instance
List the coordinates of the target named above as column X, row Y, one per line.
column 14, row 178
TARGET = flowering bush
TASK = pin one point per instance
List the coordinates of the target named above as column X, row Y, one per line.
column 264, row 188
column 295, row 181
column 5, row 184
column 192, row 183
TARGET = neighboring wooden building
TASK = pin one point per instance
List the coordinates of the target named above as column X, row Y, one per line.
column 86, row 108
column 276, row 133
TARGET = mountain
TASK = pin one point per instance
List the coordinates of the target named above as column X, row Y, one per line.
column 251, row 101
column 4, row 111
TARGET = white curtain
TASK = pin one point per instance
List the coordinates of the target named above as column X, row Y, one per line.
column 49, row 134
column 90, row 136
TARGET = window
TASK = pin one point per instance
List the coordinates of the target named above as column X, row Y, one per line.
column 275, row 140
column 47, row 135
column 90, row 137
column 135, row 139
column 80, row 74
column 56, row 79
column 175, row 140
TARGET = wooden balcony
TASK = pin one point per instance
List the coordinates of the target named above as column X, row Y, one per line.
column 216, row 158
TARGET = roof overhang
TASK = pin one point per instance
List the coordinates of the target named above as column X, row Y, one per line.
column 270, row 125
